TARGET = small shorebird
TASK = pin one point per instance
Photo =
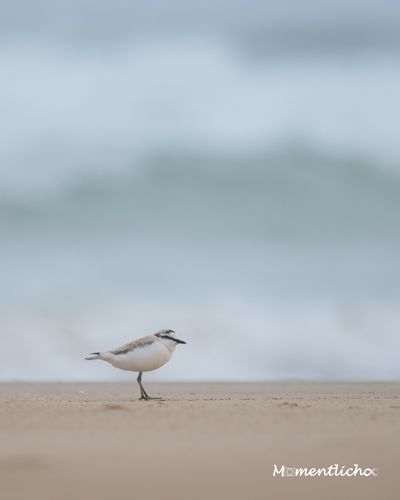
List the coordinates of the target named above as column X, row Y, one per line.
column 142, row 355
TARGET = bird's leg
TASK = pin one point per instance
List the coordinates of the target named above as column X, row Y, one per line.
column 143, row 394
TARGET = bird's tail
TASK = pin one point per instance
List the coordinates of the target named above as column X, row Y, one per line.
column 93, row 355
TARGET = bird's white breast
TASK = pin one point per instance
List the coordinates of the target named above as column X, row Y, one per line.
column 142, row 359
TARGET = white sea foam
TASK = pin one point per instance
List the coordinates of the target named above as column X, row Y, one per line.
column 231, row 340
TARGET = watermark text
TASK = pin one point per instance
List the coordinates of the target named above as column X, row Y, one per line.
column 334, row 470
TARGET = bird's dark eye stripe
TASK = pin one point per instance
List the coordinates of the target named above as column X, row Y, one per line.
column 168, row 337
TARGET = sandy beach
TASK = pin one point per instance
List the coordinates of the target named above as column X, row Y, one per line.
column 203, row 441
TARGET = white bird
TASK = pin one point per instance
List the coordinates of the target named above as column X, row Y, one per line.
column 142, row 355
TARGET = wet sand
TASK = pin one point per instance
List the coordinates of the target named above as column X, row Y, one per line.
column 203, row 441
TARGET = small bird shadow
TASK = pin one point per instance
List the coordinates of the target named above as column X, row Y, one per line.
column 153, row 400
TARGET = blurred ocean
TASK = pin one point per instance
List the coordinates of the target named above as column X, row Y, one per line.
column 231, row 171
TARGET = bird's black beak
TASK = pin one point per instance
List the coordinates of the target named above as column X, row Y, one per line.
column 178, row 341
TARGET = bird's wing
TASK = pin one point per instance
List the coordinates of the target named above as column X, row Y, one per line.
column 135, row 344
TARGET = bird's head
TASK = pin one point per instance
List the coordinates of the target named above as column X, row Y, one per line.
column 169, row 338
